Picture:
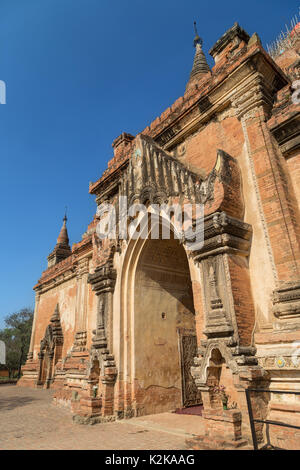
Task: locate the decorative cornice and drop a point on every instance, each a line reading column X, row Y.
column 108, row 179
column 82, row 266
column 65, row 269
column 103, row 279
column 257, row 93
column 234, row 32
column 224, row 234
column 124, row 138
column 287, row 134
column 286, row 301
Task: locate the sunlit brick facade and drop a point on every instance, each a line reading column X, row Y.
column 130, row 327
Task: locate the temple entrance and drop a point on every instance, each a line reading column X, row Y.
column 164, row 329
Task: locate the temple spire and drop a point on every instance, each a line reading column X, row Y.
column 62, row 248
column 200, row 65
column 197, row 38
column 63, row 238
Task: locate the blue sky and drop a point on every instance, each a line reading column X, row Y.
column 78, row 73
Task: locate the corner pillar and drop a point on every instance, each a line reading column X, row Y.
column 276, row 203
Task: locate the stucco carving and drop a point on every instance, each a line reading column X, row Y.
column 53, row 334
column 218, row 323
column 154, row 175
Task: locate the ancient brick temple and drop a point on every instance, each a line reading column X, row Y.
column 129, row 327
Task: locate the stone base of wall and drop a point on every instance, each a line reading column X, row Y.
column 62, row 397
column 30, row 374
column 205, row 443
column 283, row 437
column 222, row 431
column 24, row 382
column 93, row 419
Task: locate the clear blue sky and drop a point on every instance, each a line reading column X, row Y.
column 78, row 73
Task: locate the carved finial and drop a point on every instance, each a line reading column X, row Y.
column 55, row 315
column 200, row 65
column 65, row 216
column 197, row 39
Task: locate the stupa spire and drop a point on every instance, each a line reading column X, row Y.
column 62, row 248
column 197, row 38
column 63, row 238
column 200, row 65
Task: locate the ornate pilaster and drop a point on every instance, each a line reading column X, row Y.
column 218, row 323
column 82, row 271
column 40, row 358
column 224, row 237
column 103, row 283
column 56, row 328
column 49, row 377
column 229, row 315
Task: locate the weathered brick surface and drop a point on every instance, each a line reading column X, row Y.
column 241, row 291
column 243, row 107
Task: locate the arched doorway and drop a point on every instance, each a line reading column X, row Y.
column 164, row 329
column 46, row 355
column 50, row 350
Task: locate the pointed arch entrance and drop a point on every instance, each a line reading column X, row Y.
column 50, row 350
column 161, row 318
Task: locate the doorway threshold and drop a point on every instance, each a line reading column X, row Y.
column 171, row 423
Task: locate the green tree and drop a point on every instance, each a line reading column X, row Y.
column 16, row 335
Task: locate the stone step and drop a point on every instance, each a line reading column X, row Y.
column 205, row 443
